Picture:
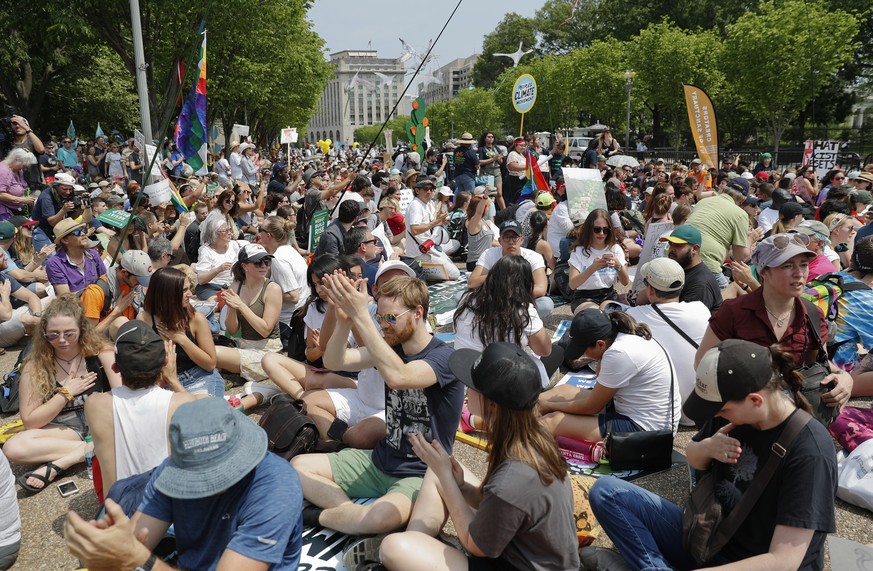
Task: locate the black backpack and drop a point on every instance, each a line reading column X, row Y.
column 289, row 431
column 11, row 382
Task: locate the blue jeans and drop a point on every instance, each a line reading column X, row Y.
column 545, row 306
column 464, row 182
column 199, row 381
column 645, row 528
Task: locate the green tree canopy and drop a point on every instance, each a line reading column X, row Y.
column 504, row 39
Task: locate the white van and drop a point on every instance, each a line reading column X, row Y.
column 575, row 147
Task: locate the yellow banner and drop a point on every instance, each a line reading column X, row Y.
column 701, row 115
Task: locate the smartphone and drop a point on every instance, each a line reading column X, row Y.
column 68, row 488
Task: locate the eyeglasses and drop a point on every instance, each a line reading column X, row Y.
column 373, row 241
column 225, row 231
column 67, row 142
column 67, row 335
column 782, row 241
column 839, row 178
column 600, row 229
column 390, row 318
column 510, row 238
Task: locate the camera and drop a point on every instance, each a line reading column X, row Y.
column 81, row 201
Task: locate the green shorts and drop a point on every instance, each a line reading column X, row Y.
column 354, row 472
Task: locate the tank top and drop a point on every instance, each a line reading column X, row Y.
column 140, row 421
column 183, row 361
column 247, row 331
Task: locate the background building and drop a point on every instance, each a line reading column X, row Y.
column 350, row 102
column 453, row 77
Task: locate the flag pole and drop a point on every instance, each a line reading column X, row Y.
column 142, row 88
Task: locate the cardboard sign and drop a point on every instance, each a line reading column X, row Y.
column 317, row 226
column 822, row 155
column 406, row 198
column 288, row 136
column 652, row 248
column 159, row 192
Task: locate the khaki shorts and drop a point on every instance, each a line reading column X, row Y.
column 353, row 471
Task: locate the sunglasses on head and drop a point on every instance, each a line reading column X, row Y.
column 391, row 318
column 782, row 241
column 67, row 335
column 600, row 229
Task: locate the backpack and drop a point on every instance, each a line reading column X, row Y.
column 11, row 381
column 632, row 220
column 107, row 296
column 825, row 292
column 289, row 431
column 456, row 226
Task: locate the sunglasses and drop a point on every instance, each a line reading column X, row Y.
column 390, row 318
column 228, row 201
column 67, row 335
column 782, row 241
column 79, row 232
column 262, row 263
column 600, row 229
column 373, row 241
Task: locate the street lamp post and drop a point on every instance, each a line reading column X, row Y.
column 628, row 85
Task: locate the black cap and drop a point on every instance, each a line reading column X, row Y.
column 790, row 210
column 510, row 226
column 588, row 327
column 503, row 372
column 139, row 351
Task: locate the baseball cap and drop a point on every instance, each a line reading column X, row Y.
column 212, row 447
column 747, row 175
column 696, row 162
column 510, row 226
column 777, row 249
column 790, row 210
column 253, row 253
column 7, row 230
column 739, row 184
column 444, row 190
column 588, row 326
column 813, row 227
column 545, row 200
column 139, row 265
column 862, row 196
column 63, row 178
column 393, row 265
column 18, row 221
column 766, row 156
column 763, row 175
column 684, row 234
column 750, row 201
column 663, row 274
column 729, row 371
column 503, row 372
column 852, row 175
column 139, row 351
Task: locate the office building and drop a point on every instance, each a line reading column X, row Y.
column 453, row 77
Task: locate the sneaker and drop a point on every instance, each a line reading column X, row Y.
column 465, row 425
column 362, row 550
column 311, row 513
column 265, row 390
column 602, row 559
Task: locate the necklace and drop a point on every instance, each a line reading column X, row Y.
column 68, row 372
column 68, row 361
column 780, row 321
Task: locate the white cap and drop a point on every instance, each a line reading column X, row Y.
column 394, row 265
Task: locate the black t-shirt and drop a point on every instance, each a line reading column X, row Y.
column 800, row 494
column 276, row 186
column 433, row 411
column 700, row 285
column 466, row 161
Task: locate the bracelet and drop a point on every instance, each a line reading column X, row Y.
column 65, row 392
column 28, row 132
column 744, row 287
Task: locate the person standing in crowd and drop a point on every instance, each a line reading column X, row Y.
column 516, row 167
column 67, row 156
column 490, row 161
column 135, row 165
column 67, row 362
column 466, row 164
column 52, row 207
column 526, row 487
column 25, row 138
column 232, row 504
column 723, row 226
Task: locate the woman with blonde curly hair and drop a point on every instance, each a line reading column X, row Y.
column 68, row 361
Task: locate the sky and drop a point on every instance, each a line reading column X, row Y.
column 350, row 24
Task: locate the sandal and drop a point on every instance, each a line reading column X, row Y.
column 45, row 479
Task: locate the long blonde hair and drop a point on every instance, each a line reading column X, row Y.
column 41, row 359
column 23, row 247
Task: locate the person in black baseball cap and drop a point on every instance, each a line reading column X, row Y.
column 746, row 396
column 526, row 487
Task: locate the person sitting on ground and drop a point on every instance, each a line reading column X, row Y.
column 253, row 306
column 331, row 241
column 108, row 302
column 634, row 373
column 745, row 395
column 510, row 245
column 16, row 321
column 75, row 266
column 14, row 237
column 854, row 323
column 597, row 262
column 168, row 311
column 422, row 395
column 129, row 424
column 819, row 239
column 480, row 235
column 218, row 464
column 521, row 516
column 67, row 362
column 502, row 309
column 360, row 242
column 674, row 323
column 700, row 285
column 216, row 257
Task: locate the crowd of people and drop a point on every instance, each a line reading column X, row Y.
column 139, row 332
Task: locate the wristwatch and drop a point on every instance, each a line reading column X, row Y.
column 147, row 566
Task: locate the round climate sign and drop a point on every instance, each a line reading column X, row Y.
column 524, row 93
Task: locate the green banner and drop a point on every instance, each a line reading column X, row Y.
column 317, row 226
column 114, row 217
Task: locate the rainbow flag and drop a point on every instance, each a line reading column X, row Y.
column 190, row 133
column 176, row 198
column 536, row 182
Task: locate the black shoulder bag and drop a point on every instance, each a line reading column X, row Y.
column 816, row 372
column 705, row 530
column 675, row 327
column 645, row 449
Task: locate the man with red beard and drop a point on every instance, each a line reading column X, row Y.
column 422, row 396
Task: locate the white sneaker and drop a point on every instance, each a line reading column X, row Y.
column 265, row 390
column 602, row 559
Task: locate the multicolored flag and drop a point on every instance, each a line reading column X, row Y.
column 190, row 133
column 536, row 182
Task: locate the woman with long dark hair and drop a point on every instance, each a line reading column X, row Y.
column 634, row 373
column 745, row 397
column 834, row 177
column 536, row 241
column 490, row 160
column 167, row 309
column 597, row 261
column 520, row 516
column 226, row 209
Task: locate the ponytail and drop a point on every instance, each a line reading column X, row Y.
column 785, row 377
column 624, row 323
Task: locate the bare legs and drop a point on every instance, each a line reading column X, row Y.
column 60, row 446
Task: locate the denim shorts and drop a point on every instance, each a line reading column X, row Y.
column 199, row 381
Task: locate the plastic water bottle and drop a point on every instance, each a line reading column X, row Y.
column 89, row 456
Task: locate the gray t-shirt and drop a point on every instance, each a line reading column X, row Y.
column 479, row 242
column 525, row 523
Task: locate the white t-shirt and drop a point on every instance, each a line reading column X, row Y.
column 467, row 336
column 604, row 277
column 491, row 255
column 692, row 318
column 418, row 213
column 639, row 369
column 208, row 259
column 559, row 226
column 767, row 218
column 314, row 318
column 10, row 519
column 235, row 168
column 289, row 271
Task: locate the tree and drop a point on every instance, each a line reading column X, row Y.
column 764, row 52
column 474, row 111
column 504, row 39
column 563, row 27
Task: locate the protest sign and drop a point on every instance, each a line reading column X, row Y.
column 584, row 191
column 114, row 217
column 524, row 95
column 159, row 192
column 822, row 155
column 317, row 226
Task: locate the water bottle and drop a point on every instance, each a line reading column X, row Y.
column 89, row 456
